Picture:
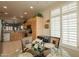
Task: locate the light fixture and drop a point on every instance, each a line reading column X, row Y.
column 2, row 12
column 31, row 7
column 22, row 27
column 5, row 7
column 21, row 16
column 14, row 17
column 25, row 13
column 5, row 13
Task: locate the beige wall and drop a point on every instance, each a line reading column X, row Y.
column 46, row 16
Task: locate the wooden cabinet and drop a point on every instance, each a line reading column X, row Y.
column 16, row 36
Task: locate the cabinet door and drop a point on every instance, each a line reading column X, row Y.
column 16, row 36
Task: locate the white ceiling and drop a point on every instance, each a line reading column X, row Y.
column 17, row 8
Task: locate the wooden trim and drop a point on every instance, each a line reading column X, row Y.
column 57, row 44
column 55, row 37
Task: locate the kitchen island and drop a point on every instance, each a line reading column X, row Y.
column 13, row 36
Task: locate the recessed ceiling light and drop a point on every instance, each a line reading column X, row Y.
column 25, row 13
column 21, row 16
column 5, row 13
column 14, row 17
column 5, row 7
column 31, row 7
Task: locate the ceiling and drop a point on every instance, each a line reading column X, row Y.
column 17, row 8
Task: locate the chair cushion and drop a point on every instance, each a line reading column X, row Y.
column 49, row 45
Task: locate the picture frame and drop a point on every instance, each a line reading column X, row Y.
column 46, row 26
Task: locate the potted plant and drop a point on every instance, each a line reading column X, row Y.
column 38, row 14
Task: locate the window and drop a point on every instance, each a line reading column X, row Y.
column 68, row 15
column 69, row 24
column 55, row 23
